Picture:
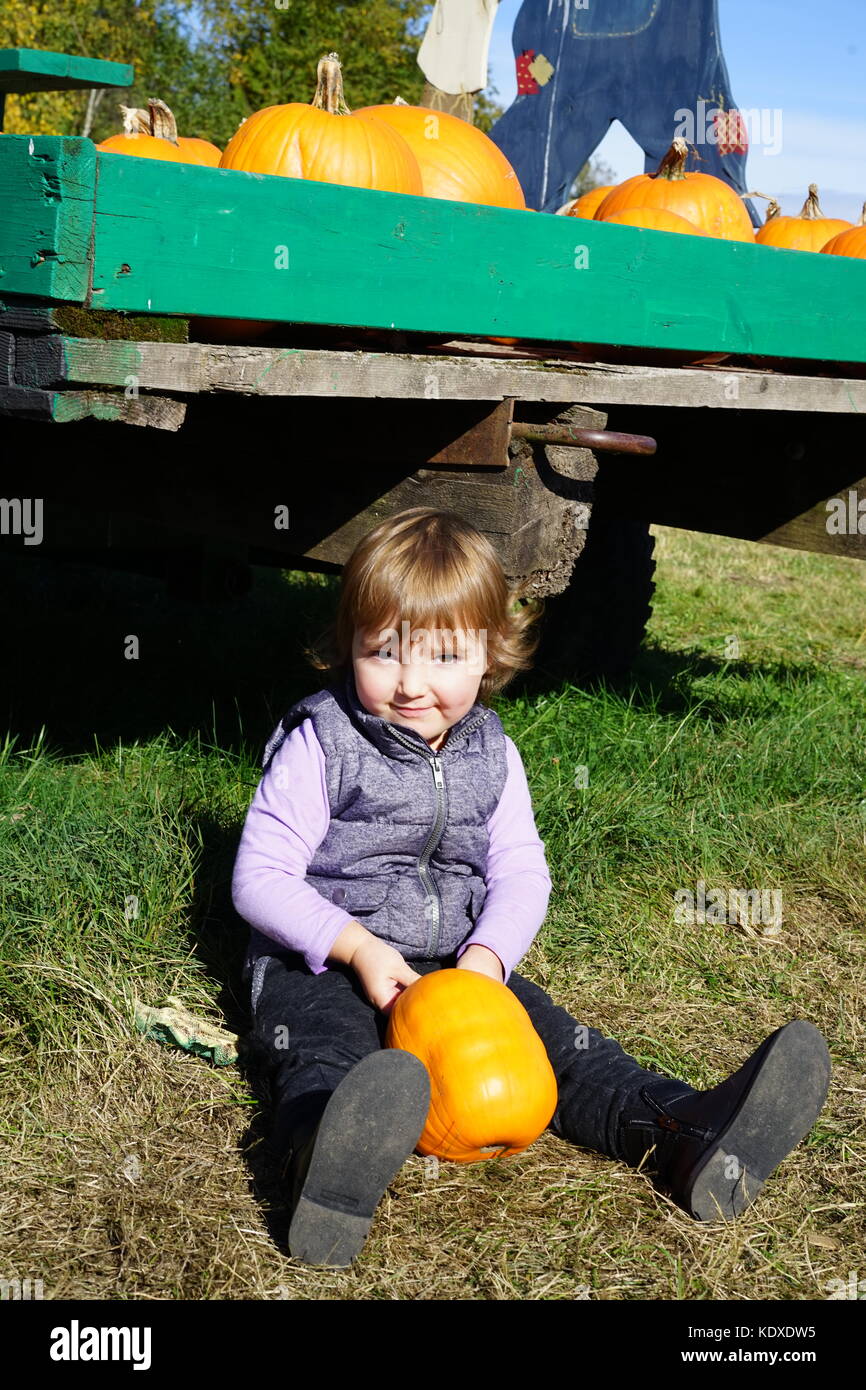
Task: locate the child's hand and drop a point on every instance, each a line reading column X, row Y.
column 382, row 971
column 485, row 961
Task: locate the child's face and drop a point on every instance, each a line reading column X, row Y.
column 436, row 671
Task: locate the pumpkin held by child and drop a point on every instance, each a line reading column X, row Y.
column 492, row 1088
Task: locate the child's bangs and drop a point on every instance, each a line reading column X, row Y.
column 439, row 608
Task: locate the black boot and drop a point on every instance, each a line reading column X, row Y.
column 338, row 1169
column 715, row 1149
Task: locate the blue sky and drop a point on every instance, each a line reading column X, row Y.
column 804, row 59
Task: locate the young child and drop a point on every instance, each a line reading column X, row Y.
column 392, row 834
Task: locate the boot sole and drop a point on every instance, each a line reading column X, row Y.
column 783, row 1099
column 368, row 1129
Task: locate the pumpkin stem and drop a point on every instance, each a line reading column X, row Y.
column 162, row 122
column 862, row 222
column 398, row 101
column 329, row 87
column 673, row 166
column 811, row 209
column 157, row 120
column 135, row 120
column 774, row 208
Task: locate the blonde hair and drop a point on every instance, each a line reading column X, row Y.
column 432, row 569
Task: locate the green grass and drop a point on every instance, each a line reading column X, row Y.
column 122, row 792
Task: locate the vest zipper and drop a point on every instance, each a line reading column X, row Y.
column 436, row 833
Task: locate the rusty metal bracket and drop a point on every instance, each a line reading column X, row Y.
column 601, row 441
column 482, row 440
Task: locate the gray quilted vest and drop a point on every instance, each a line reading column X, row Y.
column 406, row 850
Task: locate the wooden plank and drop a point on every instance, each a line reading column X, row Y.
column 47, row 196
column 154, row 412
column 723, row 387
column 7, row 358
column 202, row 367
column 835, row 526
column 174, row 238
column 62, row 407
column 20, row 403
column 38, row 70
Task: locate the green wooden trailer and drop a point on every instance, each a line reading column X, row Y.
column 650, row 377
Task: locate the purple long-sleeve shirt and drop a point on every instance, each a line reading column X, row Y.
column 289, row 817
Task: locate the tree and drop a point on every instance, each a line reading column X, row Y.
column 122, row 31
column 216, row 61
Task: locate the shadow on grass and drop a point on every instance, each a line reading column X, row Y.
column 675, row 682
column 218, row 940
column 225, row 671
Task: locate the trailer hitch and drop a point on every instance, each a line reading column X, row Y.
column 602, row 441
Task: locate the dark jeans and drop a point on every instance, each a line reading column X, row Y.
column 310, row 1030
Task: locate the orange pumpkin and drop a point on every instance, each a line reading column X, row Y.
column 324, row 142
column 457, row 160
column 492, row 1088
column 199, row 151
column 850, row 243
column 710, row 203
column 144, row 146
column 620, row 188
column 810, row 231
column 588, row 203
column 656, row 220
column 152, row 134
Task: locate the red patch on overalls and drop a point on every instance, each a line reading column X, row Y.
column 526, row 83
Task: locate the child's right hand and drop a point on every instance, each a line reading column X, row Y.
column 383, row 972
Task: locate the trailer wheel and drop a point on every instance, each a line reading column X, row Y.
column 595, row 628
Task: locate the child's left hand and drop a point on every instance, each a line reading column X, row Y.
column 482, row 960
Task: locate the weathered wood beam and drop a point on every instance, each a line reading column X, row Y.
column 835, row 526
column 62, row 407
column 58, row 360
